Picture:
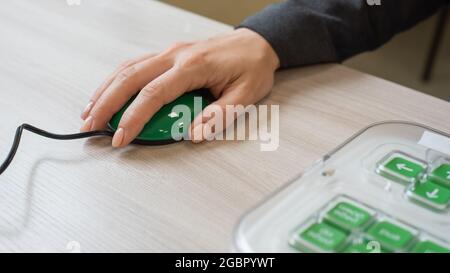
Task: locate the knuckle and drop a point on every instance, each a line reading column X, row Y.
column 125, row 65
column 154, row 92
column 127, row 75
column 149, row 90
column 99, row 110
column 193, row 59
column 177, row 46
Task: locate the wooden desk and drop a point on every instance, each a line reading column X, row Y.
column 182, row 197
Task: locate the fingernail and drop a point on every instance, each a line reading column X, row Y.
column 197, row 134
column 118, row 138
column 87, row 110
column 87, row 126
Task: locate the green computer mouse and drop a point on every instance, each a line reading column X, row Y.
column 158, row 131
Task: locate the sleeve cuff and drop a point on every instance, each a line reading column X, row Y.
column 296, row 33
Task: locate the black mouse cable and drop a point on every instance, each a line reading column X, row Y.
column 43, row 133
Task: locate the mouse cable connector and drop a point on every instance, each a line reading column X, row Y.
column 43, row 133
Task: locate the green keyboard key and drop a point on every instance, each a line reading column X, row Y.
column 429, row 247
column 320, row 237
column 391, row 236
column 401, row 168
column 349, row 216
column 441, row 175
column 430, row 194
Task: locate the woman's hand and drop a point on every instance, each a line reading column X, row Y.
column 238, row 68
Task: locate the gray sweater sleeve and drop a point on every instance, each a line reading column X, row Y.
column 306, row 32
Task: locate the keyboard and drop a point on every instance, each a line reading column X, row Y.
column 386, row 189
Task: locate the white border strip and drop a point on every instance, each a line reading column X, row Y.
column 436, row 142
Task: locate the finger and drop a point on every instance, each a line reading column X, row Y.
column 208, row 125
column 127, row 83
column 150, row 99
column 109, row 80
column 213, row 119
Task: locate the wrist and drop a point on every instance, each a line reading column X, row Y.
column 262, row 45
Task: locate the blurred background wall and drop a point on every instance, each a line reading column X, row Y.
column 402, row 60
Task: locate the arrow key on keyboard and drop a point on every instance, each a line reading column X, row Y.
column 430, row 194
column 400, row 167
